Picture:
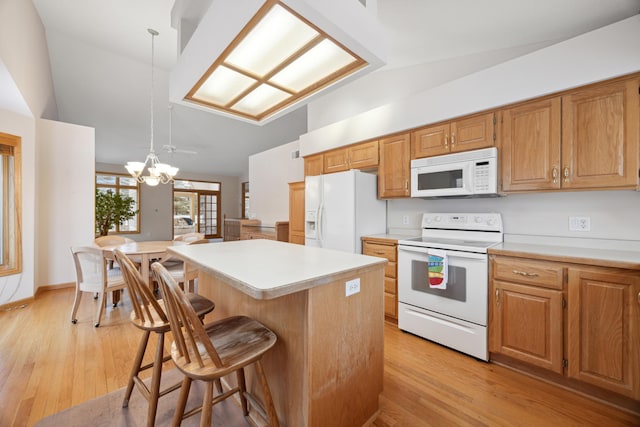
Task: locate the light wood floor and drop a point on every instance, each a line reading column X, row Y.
column 48, row 364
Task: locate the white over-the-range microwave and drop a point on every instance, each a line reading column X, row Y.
column 470, row 173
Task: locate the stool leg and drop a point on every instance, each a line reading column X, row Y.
column 207, row 405
column 268, row 402
column 243, row 389
column 154, row 391
column 182, row 401
column 137, row 362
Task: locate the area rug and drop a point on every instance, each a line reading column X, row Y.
column 107, row 410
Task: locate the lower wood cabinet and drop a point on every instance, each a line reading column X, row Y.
column 581, row 322
column 386, row 248
column 603, row 330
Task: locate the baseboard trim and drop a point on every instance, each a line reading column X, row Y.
column 46, row 288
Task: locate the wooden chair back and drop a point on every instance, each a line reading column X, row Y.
column 147, row 311
column 102, row 241
column 189, row 237
column 192, row 336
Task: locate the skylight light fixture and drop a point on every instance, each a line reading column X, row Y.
column 270, row 58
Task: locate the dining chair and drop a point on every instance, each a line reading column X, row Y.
column 189, row 237
column 149, row 315
column 182, row 272
column 209, row 352
column 93, row 276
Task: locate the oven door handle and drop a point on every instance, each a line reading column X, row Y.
column 450, row 253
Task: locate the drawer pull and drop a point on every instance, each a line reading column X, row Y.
column 525, row 274
column 378, row 252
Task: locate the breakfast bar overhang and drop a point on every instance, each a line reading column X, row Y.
column 325, row 306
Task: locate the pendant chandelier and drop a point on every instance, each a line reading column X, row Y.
column 159, row 173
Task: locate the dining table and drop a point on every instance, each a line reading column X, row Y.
column 143, row 252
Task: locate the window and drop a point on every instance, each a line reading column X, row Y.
column 196, row 208
column 125, row 185
column 245, row 200
column 11, row 203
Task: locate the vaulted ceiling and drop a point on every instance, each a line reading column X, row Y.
column 100, row 55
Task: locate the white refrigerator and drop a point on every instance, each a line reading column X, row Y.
column 342, row 207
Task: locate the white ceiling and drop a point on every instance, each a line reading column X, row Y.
column 100, row 55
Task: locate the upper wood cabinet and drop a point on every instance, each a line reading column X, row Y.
column 394, row 171
column 460, row 135
column 584, row 139
column 296, row 212
column 600, row 136
column 530, row 146
column 313, row 165
column 358, row 156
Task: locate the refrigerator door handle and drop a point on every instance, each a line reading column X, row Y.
column 319, row 224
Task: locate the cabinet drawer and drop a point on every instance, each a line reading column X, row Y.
column 383, row 251
column 390, row 285
column 390, row 270
column 390, row 305
column 538, row 273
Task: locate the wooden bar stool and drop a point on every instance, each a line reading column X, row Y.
column 148, row 314
column 209, row 352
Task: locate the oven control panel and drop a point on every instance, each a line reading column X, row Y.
column 463, row 221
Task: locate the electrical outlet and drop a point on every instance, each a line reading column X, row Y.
column 579, row 223
column 352, row 287
column 405, row 219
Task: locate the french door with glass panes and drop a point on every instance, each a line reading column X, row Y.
column 209, row 212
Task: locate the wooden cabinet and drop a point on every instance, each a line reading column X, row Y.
column 386, row 248
column 530, row 146
column 600, row 136
column 313, row 165
column 526, row 312
column 603, row 329
column 394, row 170
column 584, row 139
column 233, row 227
column 460, row 135
column 358, row 156
column 296, row 212
column 581, row 322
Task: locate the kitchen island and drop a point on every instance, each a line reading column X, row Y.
column 325, row 306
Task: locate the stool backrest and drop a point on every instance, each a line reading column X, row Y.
column 187, row 329
column 146, row 308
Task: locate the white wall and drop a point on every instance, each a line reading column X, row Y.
column 270, row 173
column 598, row 55
column 25, row 59
column 21, row 286
column 65, row 176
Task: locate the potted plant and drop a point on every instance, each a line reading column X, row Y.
column 111, row 209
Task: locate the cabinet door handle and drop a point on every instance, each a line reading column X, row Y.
column 566, row 174
column 524, row 273
column 446, row 140
column 406, row 185
column 638, row 297
column 554, row 175
column 453, row 138
column 497, row 296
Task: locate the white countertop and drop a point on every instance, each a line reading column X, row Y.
column 583, row 255
column 266, row 269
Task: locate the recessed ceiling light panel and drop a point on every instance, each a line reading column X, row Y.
column 276, row 58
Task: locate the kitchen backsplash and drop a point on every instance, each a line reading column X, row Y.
column 612, row 215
